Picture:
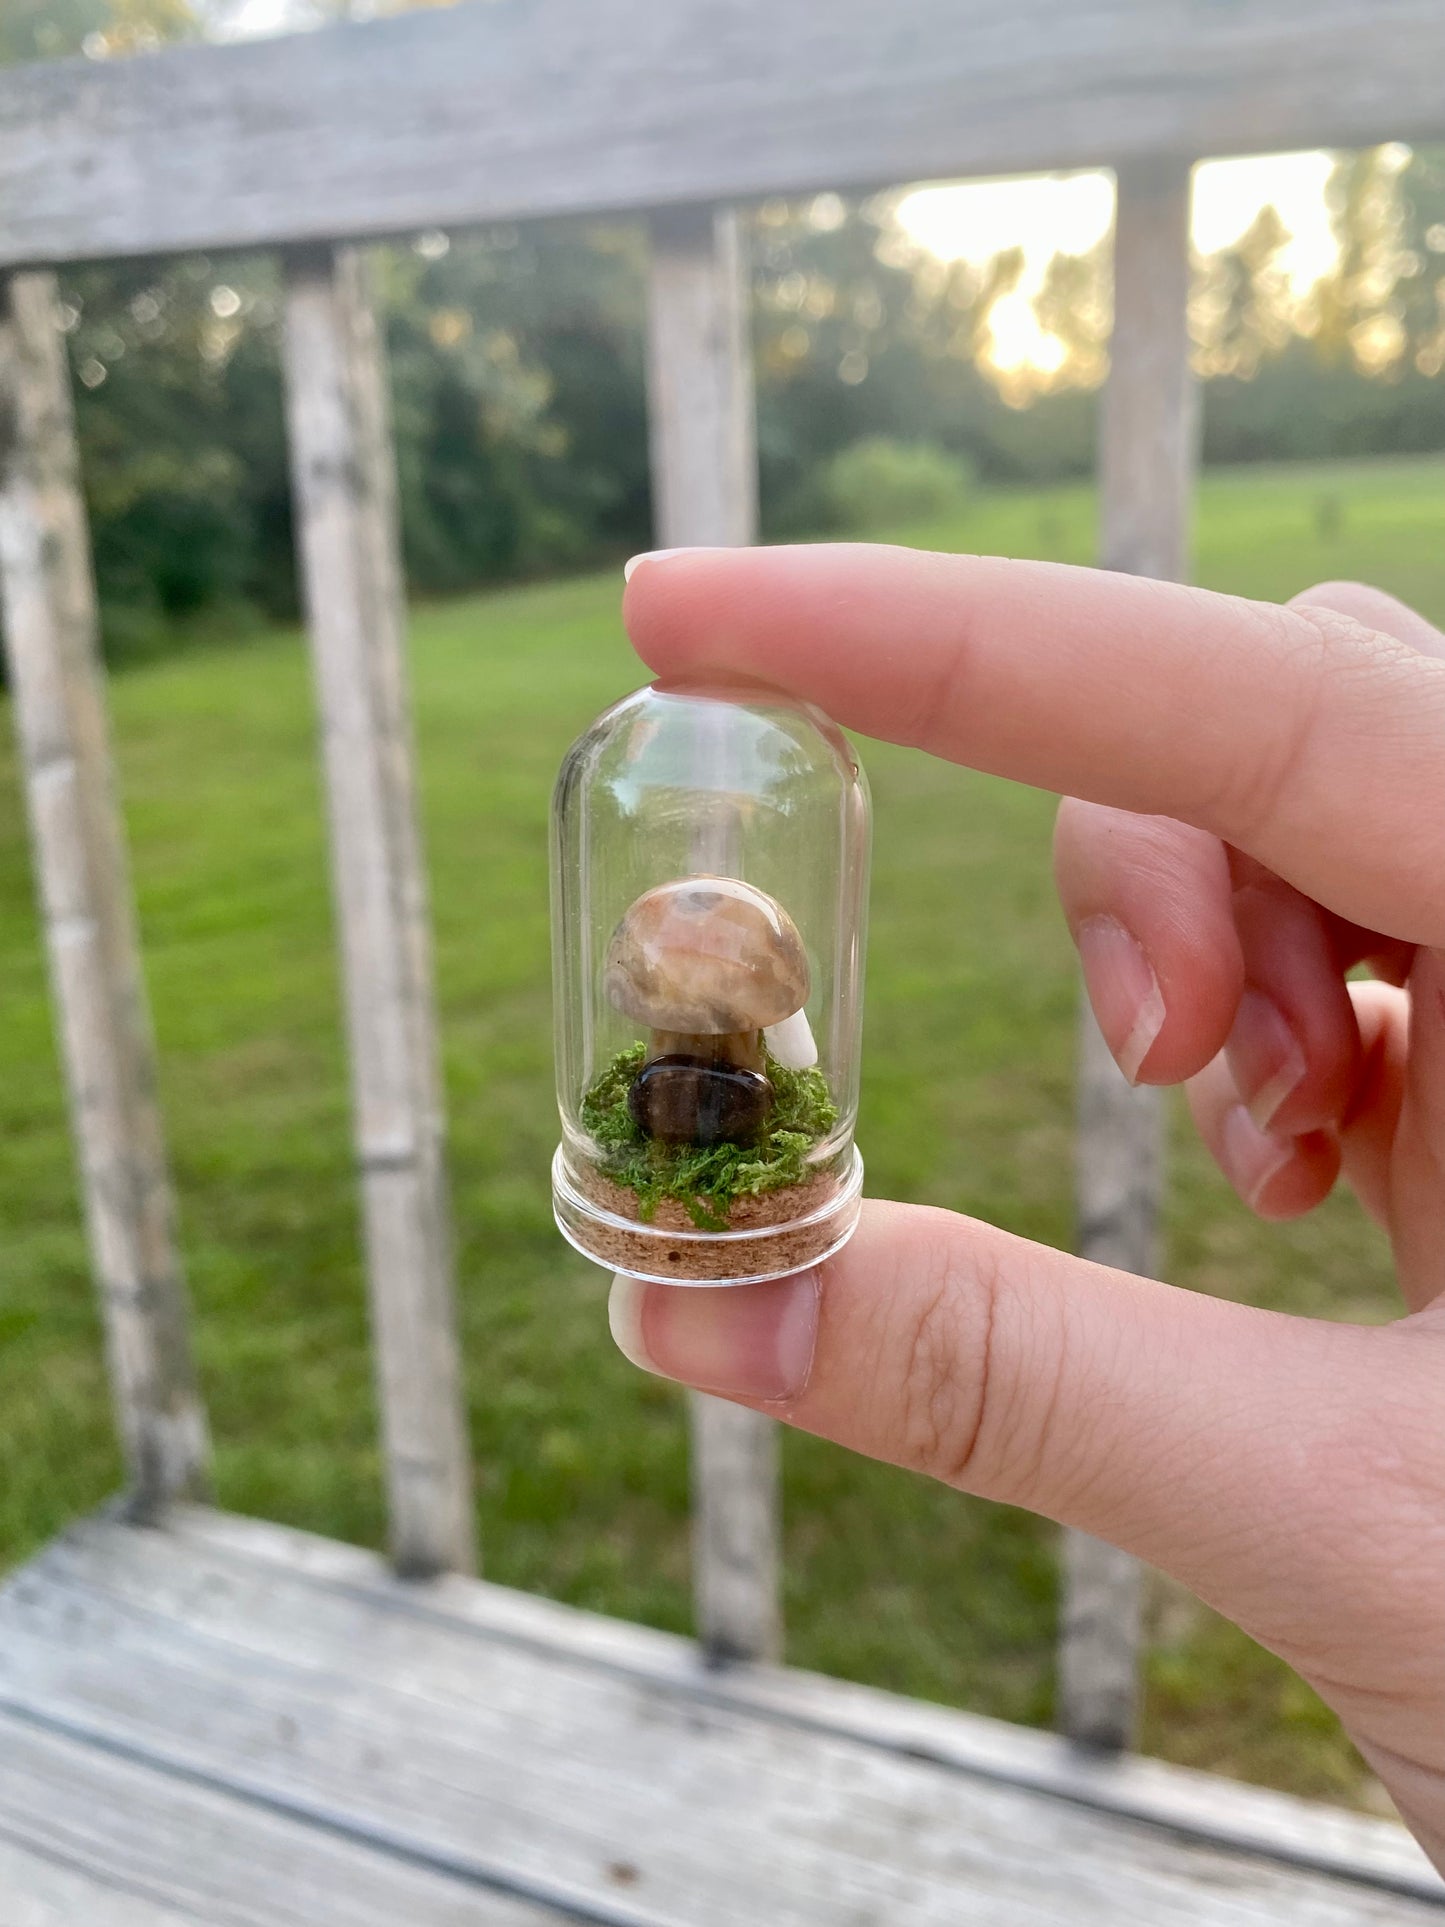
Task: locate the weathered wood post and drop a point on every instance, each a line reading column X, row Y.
column 704, row 483
column 52, row 640
column 345, row 485
column 1146, row 465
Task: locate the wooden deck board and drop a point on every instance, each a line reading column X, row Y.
column 89, row 1838
column 516, row 1753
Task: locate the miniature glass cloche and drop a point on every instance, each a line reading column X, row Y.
column 709, row 900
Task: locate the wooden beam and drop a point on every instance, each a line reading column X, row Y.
column 737, row 1566
column 1146, row 463
column 1148, row 413
column 528, row 108
column 53, row 651
column 704, row 491
column 345, row 486
column 701, row 412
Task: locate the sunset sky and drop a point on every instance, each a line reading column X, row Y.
column 1049, row 214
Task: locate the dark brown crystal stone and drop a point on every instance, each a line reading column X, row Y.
column 685, row 1100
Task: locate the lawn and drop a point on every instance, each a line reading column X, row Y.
column 581, row 1476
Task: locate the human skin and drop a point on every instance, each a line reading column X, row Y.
column 1254, row 803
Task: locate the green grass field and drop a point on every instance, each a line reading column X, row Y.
column 580, row 1460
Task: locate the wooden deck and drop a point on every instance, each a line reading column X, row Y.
column 225, row 1721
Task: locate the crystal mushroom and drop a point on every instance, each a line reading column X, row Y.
column 712, row 967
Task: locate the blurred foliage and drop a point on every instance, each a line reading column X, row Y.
column 45, row 29
column 179, row 413
column 878, row 481
column 517, row 378
column 49, row 29
column 517, row 369
column 862, row 334
column 1240, row 303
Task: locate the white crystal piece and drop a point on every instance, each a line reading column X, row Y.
column 792, row 1043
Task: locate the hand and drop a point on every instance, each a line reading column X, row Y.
column 1256, row 802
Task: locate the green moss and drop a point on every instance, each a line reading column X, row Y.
column 707, row 1181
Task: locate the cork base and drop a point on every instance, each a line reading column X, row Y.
column 767, row 1237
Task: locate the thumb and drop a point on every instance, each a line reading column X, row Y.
column 1207, row 1437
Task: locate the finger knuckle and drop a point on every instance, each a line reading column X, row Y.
column 1018, row 1438
column 945, row 1367
column 1303, row 644
column 1331, row 672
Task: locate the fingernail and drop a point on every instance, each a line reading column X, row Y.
column 649, row 555
column 744, row 1341
column 1265, row 1056
column 1123, row 990
column 1251, row 1159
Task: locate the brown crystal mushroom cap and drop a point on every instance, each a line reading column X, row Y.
column 709, row 955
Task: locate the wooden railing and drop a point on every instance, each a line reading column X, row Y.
column 523, row 109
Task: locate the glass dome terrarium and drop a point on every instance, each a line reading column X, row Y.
column 709, row 901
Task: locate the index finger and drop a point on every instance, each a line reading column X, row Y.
column 1302, row 736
